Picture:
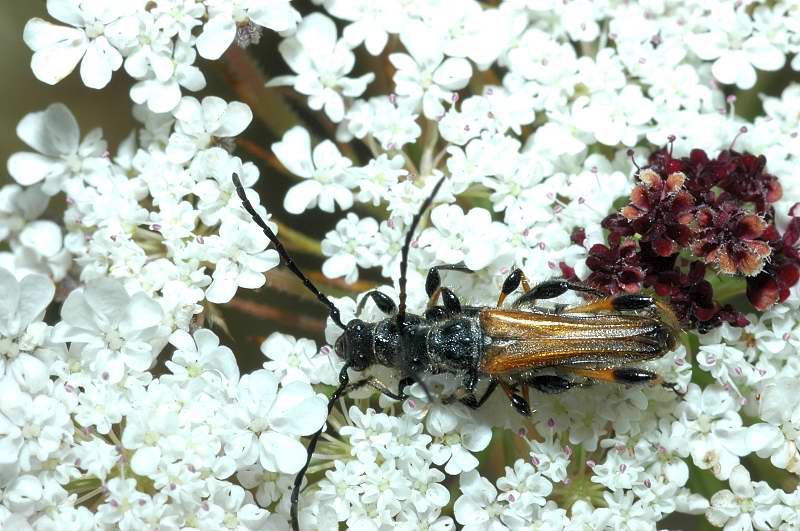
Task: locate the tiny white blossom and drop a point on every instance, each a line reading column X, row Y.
column 747, row 505
column 321, row 63
column 324, row 169
column 99, row 32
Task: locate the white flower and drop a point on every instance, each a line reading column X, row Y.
column 275, row 419
column 118, row 330
column 241, row 259
column 61, row 155
column 425, row 77
column 201, row 355
column 225, row 15
column 200, row 123
column 122, row 497
column 321, row 64
column 32, row 428
column 163, row 94
column 21, row 332
column 100, row 31
column 327, row 183
column 18, row 206
column 349, row 247
column 372, row 21
column 427, row 491
column 524, row 489
column 472, row 238
column 716, row 435
column 478, row 508
column 298, row 360
column 370, row 433
column 376, row 179
column 747, row 505
column 385, row 486
column 613, row 117
column 778, row 438
column 454, row 440
column 735, row 47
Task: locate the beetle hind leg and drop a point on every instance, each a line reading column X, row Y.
column 624, row 376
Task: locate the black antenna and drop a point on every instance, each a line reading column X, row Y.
column 401, row 308
column 333, row 311
column 344, row 379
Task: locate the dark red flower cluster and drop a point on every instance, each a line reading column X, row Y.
column 686, row 214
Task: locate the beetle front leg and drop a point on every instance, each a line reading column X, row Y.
column 378, row 385
column 511, row 283
column 382, row 301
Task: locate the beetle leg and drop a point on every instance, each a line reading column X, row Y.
column 433, row 281
column 624, row 376
column 468, row 398
column 620, row 302
column 519, row 402
column 382, row 301
column 511, row 283
column 551, row 289
column 551, row 384
column 382, row 387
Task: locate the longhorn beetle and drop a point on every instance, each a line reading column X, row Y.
column 551, row 350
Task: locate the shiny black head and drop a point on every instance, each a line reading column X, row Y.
column 355, row 345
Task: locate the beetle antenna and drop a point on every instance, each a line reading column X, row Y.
column 401, row 308
column 344, row 380
column 333, row 311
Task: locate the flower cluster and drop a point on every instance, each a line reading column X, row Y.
column 156, row 42
column 121, row 408
column 693, row 211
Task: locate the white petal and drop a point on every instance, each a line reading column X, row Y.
column 141, row 312
column 39, row 34
column 453, row 74
column 235, row 119
column 9, row 287
column 339, row 265
column 181, row 340
column 107, row 298
column 326, row 155
column 36, row 293
column 42, row 236
column 740, row 482
column 317, row 33
column 221, row 290
column 294, row 151
column 53, row 131
column 30, row 372
column 97, row 64
column 217, row 36
column 281, row 453
column 180, row 148
column 763, row 55
column 145, row 460
column 301, row 196
column 29, row 168
column 67, row 11
column 277, row 16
